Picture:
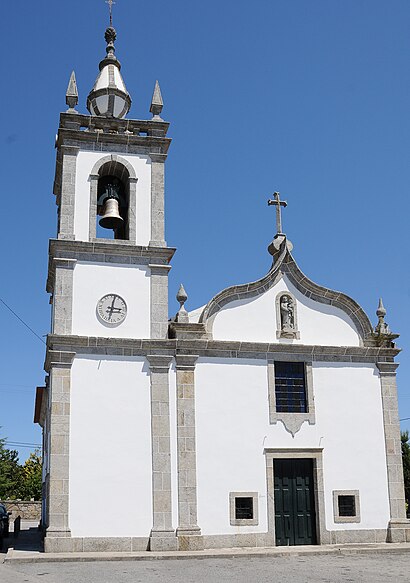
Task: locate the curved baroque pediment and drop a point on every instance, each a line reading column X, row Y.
column 285, row 265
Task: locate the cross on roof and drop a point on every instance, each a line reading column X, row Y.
column 110, row 3
column 278, row 203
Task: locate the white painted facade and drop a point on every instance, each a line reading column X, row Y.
column 91, row 281
column 233, row 430
column 110, row 448
column 255, row 320
column 141, row 214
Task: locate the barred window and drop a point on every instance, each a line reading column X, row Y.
column 347, row 506
column 290, row 387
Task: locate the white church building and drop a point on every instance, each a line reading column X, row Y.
column 248, row 422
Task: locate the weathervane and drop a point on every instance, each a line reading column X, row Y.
column 278, row 203
column 110, row 3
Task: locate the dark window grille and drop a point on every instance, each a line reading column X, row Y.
column 290, row 387
column 347, row 505
column 244, row 508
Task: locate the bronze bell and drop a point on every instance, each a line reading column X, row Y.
column 110, row 215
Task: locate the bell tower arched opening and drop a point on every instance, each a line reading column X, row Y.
column 113, row 202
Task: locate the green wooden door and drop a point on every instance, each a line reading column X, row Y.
column 294, row 502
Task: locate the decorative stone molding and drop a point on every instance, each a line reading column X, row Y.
column 346, row 519
column 286, row 330
column 62, row 289
column 291, row 421
column 67, row 162
column 57, row 512
column 162, row 535
column 243, row 521
column 105, row 251
column 399, row 527
column 285, row 264
column 157, row 200
column 188, row 531
column 222, row 349
column 316, row 454
column 159, row 299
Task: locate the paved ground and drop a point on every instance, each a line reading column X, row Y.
column 328, row 564
column 366, row 568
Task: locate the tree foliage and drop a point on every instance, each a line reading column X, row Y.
column 32, row 477
column 405, row 451
column 19, row 481
column 10, row 472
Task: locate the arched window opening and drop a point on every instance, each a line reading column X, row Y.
column 113, row 202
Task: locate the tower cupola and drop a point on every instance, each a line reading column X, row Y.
column 109, row 96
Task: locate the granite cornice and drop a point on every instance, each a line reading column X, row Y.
column 99, row 133
column 221, row 349
column 80, row 250
column 70, row 120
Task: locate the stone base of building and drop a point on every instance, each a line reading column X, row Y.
column 183, row 540
column 356, row 536
column 398, row 531
column 163, row 540
column 225, row 541
column 190, row 539
column 95, row 544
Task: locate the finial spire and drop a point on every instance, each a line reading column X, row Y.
column 71, row 96
column 109, row 96
column 182, row 315
column 156, row 103
column 278, row 203
column 382, row 326
column 110, row 3
column 382, row 333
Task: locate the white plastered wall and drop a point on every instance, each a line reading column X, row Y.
column 232, row 428
column 91, row 281
column 254, row 320
column 110, row 448
column 142, row 212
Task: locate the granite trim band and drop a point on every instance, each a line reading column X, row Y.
column 62, row 295
column 159, row 300
column 223, row 349
column 66, row 189
column 157, row 200
column 188, row 531
column 398, row 523
column 57, row 512
column 162, row 537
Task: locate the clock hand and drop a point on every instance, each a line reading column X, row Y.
column 111, row 309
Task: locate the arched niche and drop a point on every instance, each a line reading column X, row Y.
column 114, row 167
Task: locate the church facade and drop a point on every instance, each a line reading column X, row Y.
column 267, row 417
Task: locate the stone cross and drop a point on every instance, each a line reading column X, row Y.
column 110, row 3
column 278, row 203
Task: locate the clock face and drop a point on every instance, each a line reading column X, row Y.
column 112, row 309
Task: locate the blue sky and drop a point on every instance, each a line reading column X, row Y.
column 308, row 97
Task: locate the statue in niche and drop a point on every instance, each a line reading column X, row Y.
column 287, row 314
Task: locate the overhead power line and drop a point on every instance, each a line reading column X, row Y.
column 20, row 444
column 22, row 321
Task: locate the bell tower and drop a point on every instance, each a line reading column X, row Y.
column 108, row 282
column 109, row 188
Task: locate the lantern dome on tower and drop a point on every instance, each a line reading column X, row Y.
column 109, row 96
